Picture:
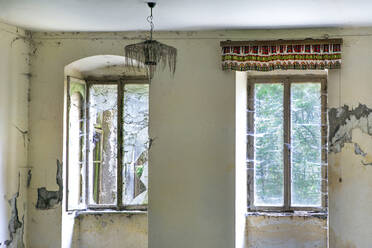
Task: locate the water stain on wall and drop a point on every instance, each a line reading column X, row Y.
column 337, row 242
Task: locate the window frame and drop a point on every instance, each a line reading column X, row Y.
column 119, row 206
column 286, row 81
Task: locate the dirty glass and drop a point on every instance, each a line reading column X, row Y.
column 136, row 143
column 306, row 144
column 268, row 148
column 76, row 144
column 103, row 144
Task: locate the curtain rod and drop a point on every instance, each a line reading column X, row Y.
column 281, row 42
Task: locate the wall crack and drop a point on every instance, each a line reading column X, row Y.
column 24, row 134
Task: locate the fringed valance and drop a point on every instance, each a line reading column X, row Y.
column 280, row 54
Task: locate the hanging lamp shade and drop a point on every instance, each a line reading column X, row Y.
column 151, row 52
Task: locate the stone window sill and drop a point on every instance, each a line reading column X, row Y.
column 78, row 213
column 320, row 215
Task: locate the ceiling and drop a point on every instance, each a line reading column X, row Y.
column 129, row 15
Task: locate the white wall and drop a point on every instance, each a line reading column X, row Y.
column 192, row 118
column 191, row 169
column 14, row 85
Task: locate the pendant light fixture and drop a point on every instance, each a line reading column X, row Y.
column 151, row 52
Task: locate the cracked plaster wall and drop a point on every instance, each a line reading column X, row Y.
column 192, row 189
column 14, row 87
column 350, row 188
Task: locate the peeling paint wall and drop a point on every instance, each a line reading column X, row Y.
column 350, row 188
column 49, row 199
column 343, row 120
column 191, row 173
column 350, row 193
column 14, row 139
column 16, row 227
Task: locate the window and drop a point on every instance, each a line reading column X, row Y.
column 107, row 144
column 287, row 143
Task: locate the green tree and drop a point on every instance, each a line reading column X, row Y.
column 305, row 144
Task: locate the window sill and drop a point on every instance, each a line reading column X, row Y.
column 309, row 214
column 78, row 213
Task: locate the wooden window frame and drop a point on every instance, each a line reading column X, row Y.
column 120, row 139
column 286, row 81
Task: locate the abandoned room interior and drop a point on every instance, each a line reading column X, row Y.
column 185, row 124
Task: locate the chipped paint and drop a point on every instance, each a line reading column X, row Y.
column 358, row 150
column 29, row 177
column 343, row 120
column 15, row 227
column 49, row 199
column 366, row 163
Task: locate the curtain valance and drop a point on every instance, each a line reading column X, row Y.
column 281, row 54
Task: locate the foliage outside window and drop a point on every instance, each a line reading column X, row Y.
column 107, row 145
column 287, row 140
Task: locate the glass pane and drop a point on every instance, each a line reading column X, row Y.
column 102, row 144
column 136, row 117
column 76, row 145
column 306, row 144
column 268, row 148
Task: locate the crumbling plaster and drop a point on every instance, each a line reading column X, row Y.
column 343, row 120
column 14, row 88
column 47, row 199
column 350, row 185
column 15, row 227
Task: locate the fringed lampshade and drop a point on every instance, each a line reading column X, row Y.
column 151, row 52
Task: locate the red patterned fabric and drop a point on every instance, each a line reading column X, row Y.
column 290, row 56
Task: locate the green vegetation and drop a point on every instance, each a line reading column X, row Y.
column 269, row 144
column 305, row 144
column 77, row 87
